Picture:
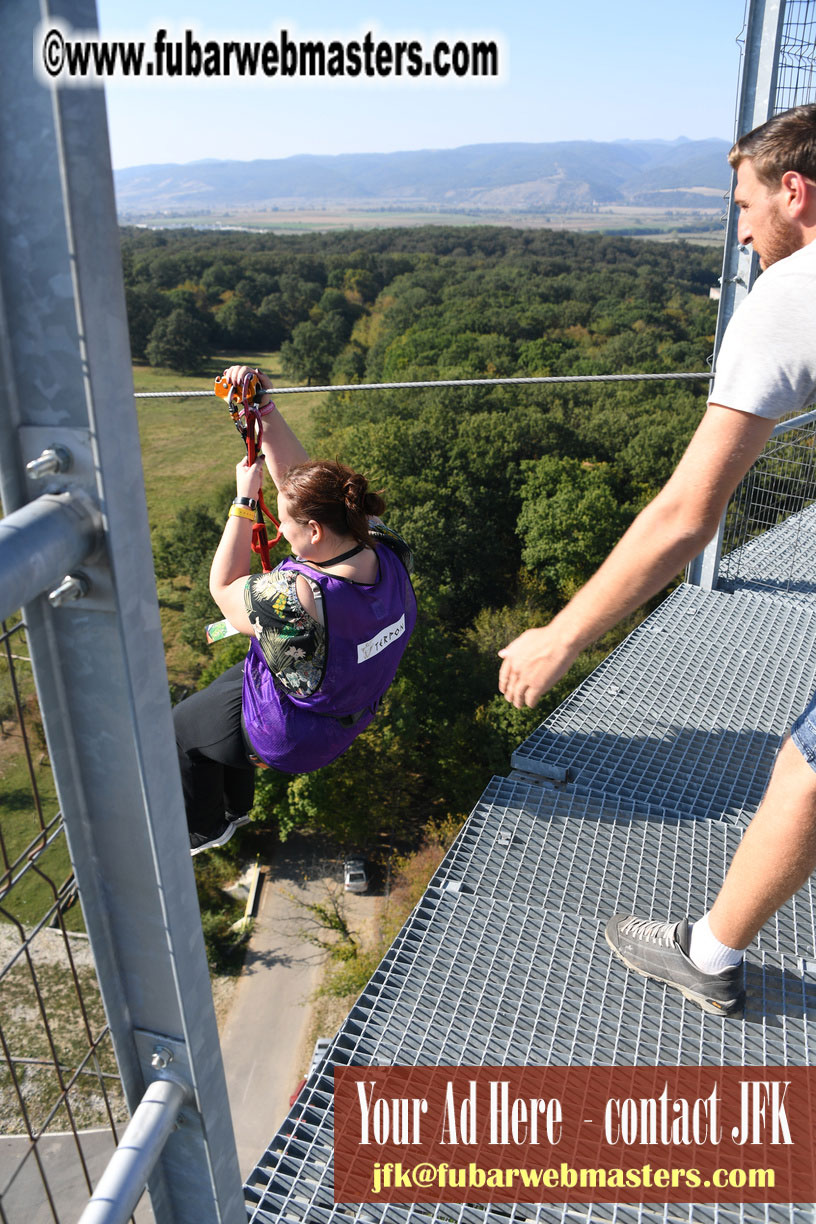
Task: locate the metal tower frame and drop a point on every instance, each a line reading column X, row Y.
column 75, row 554
column 759, row 98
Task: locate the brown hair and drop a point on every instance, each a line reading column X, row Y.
column 786, row 142
column 333, row 495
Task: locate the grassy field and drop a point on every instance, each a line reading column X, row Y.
column 311, row 220
column 29, row 899
column 66, row 1041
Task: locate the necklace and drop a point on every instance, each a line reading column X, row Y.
column 352, row 552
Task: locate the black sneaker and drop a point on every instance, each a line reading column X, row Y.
column 208, row 841
column 659, row 950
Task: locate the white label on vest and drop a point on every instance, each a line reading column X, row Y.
column 367, row 650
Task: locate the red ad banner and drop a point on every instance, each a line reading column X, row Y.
column 575, row 1134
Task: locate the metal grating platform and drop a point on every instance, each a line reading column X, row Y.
column 288, row 1201
column 569, row 801
column 579, row 854
column 479, row 982
column 630, row 796
column 293, row 1206
column 690, row 710
column 780, row 562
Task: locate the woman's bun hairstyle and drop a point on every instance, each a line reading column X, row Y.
column 334, row 496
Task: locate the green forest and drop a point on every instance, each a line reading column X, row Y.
column 509, row 496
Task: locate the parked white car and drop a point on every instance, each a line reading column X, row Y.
column 355, row 876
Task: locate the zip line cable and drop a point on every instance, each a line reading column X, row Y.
column 450, row 382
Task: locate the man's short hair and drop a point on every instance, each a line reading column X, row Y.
column 786, row 142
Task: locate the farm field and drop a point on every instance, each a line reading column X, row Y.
column 694, row 225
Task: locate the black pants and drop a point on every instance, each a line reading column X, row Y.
column 216, row 776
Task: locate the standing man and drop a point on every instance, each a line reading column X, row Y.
column 766, row 369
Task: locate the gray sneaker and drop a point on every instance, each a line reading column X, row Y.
column 659, row 950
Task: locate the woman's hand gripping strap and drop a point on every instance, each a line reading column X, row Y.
column 241, row 401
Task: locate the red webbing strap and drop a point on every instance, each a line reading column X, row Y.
column 241, row 402
column 260, row 537
column 260, row 543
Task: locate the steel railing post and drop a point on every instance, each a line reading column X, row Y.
column 757, row 95
column 96, row 647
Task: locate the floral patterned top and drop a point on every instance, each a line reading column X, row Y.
column 293, row 643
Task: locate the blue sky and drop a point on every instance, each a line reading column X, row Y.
column 572, row 71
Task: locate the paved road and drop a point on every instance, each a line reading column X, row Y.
column 26, row 1203
column 262, row 1040
column 262, row 1044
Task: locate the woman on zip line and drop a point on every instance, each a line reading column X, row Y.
column 328, row 627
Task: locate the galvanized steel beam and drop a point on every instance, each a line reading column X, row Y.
column 757, row 96
column 40, row 542
column 65, row 380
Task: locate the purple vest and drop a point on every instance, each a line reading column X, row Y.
column 367, row 629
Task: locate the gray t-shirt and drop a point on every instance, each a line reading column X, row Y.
column 767, row 360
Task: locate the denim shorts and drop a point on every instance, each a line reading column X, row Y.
column 803, row 733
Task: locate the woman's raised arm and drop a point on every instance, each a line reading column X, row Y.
column 281, row 447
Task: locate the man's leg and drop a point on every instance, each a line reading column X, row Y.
column 775, row 858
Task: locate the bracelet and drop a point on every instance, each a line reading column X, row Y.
column 245, row 501
column 241, row 512
column 268, row 408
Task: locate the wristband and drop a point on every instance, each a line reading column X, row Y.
column 267, row 410
column 241, row 512
column 245, row 501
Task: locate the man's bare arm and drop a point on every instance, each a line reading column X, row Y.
column 664, row 537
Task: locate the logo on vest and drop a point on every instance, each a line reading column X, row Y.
column 367, row 650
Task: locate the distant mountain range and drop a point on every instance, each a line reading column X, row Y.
column 490, row 177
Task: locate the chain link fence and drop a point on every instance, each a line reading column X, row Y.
column 796, row 81
column 780, row 486
column 774, row 496
column 61, row 1101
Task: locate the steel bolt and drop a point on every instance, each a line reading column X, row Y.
column 54, row 459
column 162, row 1057
column 73, row 586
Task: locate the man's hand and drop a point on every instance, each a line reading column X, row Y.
column 533, row 663
column 663, row 538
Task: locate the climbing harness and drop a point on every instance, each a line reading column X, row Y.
column 243, row 404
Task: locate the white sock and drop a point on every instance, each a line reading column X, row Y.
column 707, row 952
